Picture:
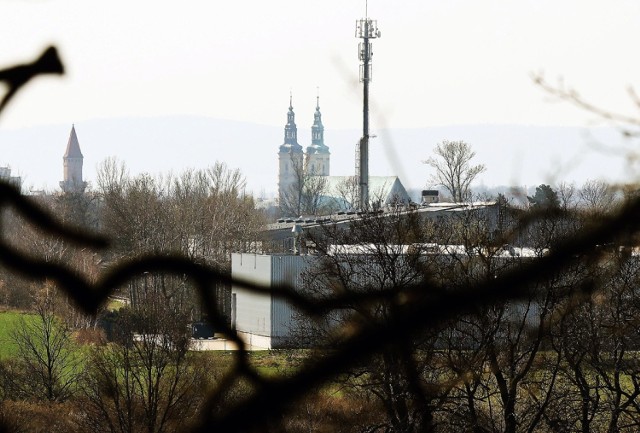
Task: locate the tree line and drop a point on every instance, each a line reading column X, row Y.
column 137, row 374
column 560, row 357
column 534, row 364
column 203, row 215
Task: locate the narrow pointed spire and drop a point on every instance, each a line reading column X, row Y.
column 72, row 166
column 73, row 146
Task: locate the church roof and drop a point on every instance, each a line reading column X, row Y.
column 73, row 147
column 317, row 132
column 318, row 148
column 383, row 190
column 290, row 148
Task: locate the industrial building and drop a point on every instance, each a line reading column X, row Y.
column 262, row 320
column 265, row 321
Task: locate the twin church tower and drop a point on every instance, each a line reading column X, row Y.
column 294, row 164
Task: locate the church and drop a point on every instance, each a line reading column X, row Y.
column 296, row 167
column 72, row 166
column 305, row 185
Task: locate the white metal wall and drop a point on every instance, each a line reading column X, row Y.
column 252, row 310
column 262, row 314
column 285, row 270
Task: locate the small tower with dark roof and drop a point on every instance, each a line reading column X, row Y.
column 291, row 160
column 318, row 155
column 72, row 163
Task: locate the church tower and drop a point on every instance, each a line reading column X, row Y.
column 290, row 158
column 72, row 162
column 318, row 155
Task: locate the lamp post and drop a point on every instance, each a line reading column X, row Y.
column 297, row 231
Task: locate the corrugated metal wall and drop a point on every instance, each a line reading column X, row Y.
column 252, row 310
column 263, row 314
column 286, row 270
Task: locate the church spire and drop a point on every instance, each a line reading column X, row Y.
column 72, row 165
column 318, row 155
column 291, row 130
column 317, row 130
column 291, row 163
column 73, row 147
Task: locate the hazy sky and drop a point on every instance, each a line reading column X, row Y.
column 437, row 62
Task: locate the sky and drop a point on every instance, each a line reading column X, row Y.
column 436, row 64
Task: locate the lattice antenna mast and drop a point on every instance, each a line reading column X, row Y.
column 366, row 29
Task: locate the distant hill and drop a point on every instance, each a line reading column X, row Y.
column 514, row 155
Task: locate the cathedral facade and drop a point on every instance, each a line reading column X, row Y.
column 295, row 165
column 306, row 186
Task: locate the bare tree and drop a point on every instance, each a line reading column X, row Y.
column 200, row 214
column 45, row 352
column 629, row 123
column 372, row 258
column 77, row 211
column 566, row 195
column 291, row 194
column 597, row 196
column 347, row 193
column 144, row 381
column 597, row 340
column 305, row 194
column 313, row 200
column 453, row 168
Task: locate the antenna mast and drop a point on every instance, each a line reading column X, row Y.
column 366, row 29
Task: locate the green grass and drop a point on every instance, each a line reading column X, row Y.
column 115, row 304
column 274, row 363
column 8, row 322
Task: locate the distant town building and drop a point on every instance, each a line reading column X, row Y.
column 313, row 168
column 72, row 163
column 5, row 175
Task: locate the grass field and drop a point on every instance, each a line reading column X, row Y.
column 8, row 322
column 277, row 362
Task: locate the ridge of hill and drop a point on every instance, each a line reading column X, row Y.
column 513, row 154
